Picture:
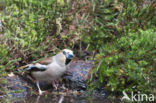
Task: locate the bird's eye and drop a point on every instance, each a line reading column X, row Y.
column 64, row 52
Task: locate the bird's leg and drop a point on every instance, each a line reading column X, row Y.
column 55, row 84
column 40, row 91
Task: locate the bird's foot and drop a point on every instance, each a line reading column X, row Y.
column 63, row 87
column 55, row 85
column 41, row 92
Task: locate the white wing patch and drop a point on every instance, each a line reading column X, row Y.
column 36, row 67
column 40, row 66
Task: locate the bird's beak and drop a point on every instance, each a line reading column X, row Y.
column 69, row 56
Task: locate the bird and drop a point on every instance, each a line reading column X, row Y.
column 49, row 69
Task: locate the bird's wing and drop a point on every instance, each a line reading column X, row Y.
column 36, row 67
column 42, row 63
column 45, row 61
column 33, row 67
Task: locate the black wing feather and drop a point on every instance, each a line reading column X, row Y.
column 34, row 68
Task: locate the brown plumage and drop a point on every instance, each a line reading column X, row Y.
column 45, row 61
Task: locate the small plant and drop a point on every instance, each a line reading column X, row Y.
column 128, row 63
column 124, row 36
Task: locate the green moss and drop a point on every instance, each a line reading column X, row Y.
column 125, row 38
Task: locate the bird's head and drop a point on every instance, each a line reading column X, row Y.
column 68, row 53
column 65, row 56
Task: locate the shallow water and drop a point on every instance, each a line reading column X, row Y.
column 59, row 99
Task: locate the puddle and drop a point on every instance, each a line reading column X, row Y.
column 57, row 99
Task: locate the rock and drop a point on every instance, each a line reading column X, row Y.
column 17, row 87
column 77, row 74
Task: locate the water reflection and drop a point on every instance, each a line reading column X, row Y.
column 60, row 99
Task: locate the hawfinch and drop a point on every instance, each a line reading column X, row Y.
column 50, row 69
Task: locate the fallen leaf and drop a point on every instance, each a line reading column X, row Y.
column 11, row 74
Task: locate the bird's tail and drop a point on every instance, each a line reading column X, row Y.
column 22, row 70
column 23, row 67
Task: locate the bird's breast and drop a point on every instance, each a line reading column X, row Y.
column 56, row 70
column 53, row 72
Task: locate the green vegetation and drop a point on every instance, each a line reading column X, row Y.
column 125, row 38
column 122, row 32
column 128, row 63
